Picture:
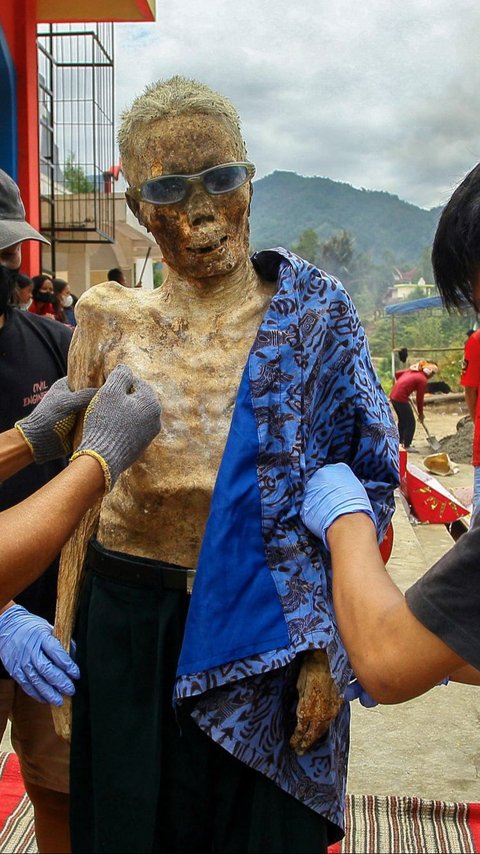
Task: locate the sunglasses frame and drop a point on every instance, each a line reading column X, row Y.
column 197, row 178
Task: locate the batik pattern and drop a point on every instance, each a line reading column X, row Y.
column 317, row 400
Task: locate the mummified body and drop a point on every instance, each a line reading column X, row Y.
column 190, row 339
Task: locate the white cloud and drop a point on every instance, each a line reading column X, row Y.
column 378, row 94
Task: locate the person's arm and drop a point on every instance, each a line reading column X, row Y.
column 120, row 421
column 28, row 544
column 422, row 385
column 15, row 454
column 28, row 650
column 393, row 655
column 468, row 675
column 471, row 398
column 45, row 434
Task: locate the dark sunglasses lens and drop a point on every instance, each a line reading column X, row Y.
column 224, row 179
column 164, row 190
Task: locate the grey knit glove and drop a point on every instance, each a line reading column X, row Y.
column 47, row 429
column 120, row 421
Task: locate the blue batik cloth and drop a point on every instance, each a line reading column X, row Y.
column 309, row 396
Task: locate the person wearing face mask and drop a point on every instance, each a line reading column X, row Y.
column 65, row 302
column 23, row 292
column 44, row 301
column 33, row 357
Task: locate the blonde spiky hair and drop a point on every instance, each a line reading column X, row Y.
column 174, row 97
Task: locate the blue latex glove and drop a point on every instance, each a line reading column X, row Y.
column 34, row 657
column 354, row 691
column 331, row 492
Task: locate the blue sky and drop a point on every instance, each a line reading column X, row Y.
column 380, row 94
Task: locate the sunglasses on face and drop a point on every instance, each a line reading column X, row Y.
column 170, row 189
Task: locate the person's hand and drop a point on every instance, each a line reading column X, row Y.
column 120, row 421
column 331, row 492
column 34, row 657
column 421, row 418
column 47, row 430
column 354, row 691
column 319, row 701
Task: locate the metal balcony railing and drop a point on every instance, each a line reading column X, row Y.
column 77, row 145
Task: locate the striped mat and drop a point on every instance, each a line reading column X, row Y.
column 387, row 824
column 16, row 813
column 374, row 824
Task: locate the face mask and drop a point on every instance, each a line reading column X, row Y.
column 67, row 301
column 45, row 297
column 8, row 280
column 24, row 306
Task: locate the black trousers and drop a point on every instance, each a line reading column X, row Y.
column 144, row 779
column 406, row 422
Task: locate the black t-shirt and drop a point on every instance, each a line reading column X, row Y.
column 33, row 355
column 447, row 598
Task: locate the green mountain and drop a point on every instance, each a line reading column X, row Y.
column 285, row 204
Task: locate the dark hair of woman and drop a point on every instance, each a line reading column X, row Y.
column 456, row 245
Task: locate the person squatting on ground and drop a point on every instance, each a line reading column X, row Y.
column 264, row 375
column 414, row 379
column 456, row 269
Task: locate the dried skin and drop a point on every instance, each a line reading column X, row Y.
column 189, row 339
column 187, row 232
column 70, row 577
column 193, row 356
column 319, row 701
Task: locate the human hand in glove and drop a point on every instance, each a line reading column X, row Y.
column 47, row 430
column 34, row 657
column 354, row 691
column 319, row 701
column 120, row 421
column 331, row 492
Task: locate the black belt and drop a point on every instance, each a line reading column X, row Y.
column 142, row 572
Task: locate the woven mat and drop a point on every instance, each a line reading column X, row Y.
column 16, row 813
column 374, row 824
column 408, row 825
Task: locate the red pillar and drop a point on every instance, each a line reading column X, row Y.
column 20, row 27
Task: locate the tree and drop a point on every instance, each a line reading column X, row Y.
column 337, row 253
column 75, row 179
column 417, row 293
column 308, row 245
column 425, row 265
column 157, row 274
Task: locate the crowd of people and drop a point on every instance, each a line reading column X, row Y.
column 223, row 622
column 45, row 296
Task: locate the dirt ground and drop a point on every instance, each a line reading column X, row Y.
column 450, row 424
column 458, row 446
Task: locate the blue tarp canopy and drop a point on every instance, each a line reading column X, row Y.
column 409, row 306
